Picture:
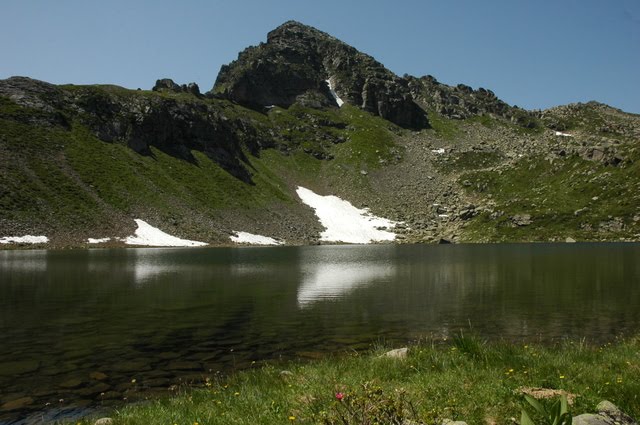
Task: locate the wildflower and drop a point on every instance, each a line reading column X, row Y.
column 561, row 376
column 133, row 381
column 510, row 370
column 339, row 396
column 236, row 393
column 292, row 418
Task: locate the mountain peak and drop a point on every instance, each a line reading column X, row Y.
column 292, row 30
column 299, row 63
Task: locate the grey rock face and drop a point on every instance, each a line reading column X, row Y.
column 173, row 125
column 461, row 101
column 167, row 84
column 298, row 59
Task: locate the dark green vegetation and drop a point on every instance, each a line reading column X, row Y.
column 466, row 379
column 84, row 161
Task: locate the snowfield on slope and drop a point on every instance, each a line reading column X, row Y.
column 345, row 223
column 24, row 239
column 250, row 238
column 98, row 240
column 148, row 235
column 339, row 101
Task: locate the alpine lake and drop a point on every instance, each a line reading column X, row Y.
column 84, row 330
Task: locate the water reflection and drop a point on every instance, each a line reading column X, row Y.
column 330, row 273
column 324, row 282
column 14, row 261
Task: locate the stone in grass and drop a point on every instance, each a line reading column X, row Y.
column 398, row 353
column 103, row 421
column 608, row 414
column 286, row 374
column 452, row 422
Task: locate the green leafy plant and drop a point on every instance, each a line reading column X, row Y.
column 558, row 414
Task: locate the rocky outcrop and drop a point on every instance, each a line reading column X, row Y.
column 174, row 125
column 462, row 101
column 301, row 61
column 168, row 85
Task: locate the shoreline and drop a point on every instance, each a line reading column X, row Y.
column 463, row 379
column 45, row 247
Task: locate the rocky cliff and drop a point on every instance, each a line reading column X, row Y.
column 297, row 64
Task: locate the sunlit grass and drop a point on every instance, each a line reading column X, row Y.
column 465, row 379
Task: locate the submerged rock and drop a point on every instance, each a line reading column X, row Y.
column 17, row 404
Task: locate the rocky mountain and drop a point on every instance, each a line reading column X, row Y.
column 299, row 63
column 445, row 162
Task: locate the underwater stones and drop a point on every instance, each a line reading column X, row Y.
column 71, row 383
column 168, row 355
column 98, row 388
column 132, row 366
column 182, row 365
column 17, row 404
column 19, row 367
column 98, row 376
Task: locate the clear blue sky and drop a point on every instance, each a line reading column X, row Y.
column 535, row 54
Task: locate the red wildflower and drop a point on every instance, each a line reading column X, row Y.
column 339, row 396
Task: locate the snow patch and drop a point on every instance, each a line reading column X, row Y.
column 344, row 222
column 150, row 236
column 560, row 133
column 98, row 240
column 24, row 239
column 339, row 101
column 250, row 238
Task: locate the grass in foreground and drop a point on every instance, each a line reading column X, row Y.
column 466, row 380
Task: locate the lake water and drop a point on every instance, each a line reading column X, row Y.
column 78, row 327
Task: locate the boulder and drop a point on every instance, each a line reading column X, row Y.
column 608, row 414
column 398, row 353
column 522, row 219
